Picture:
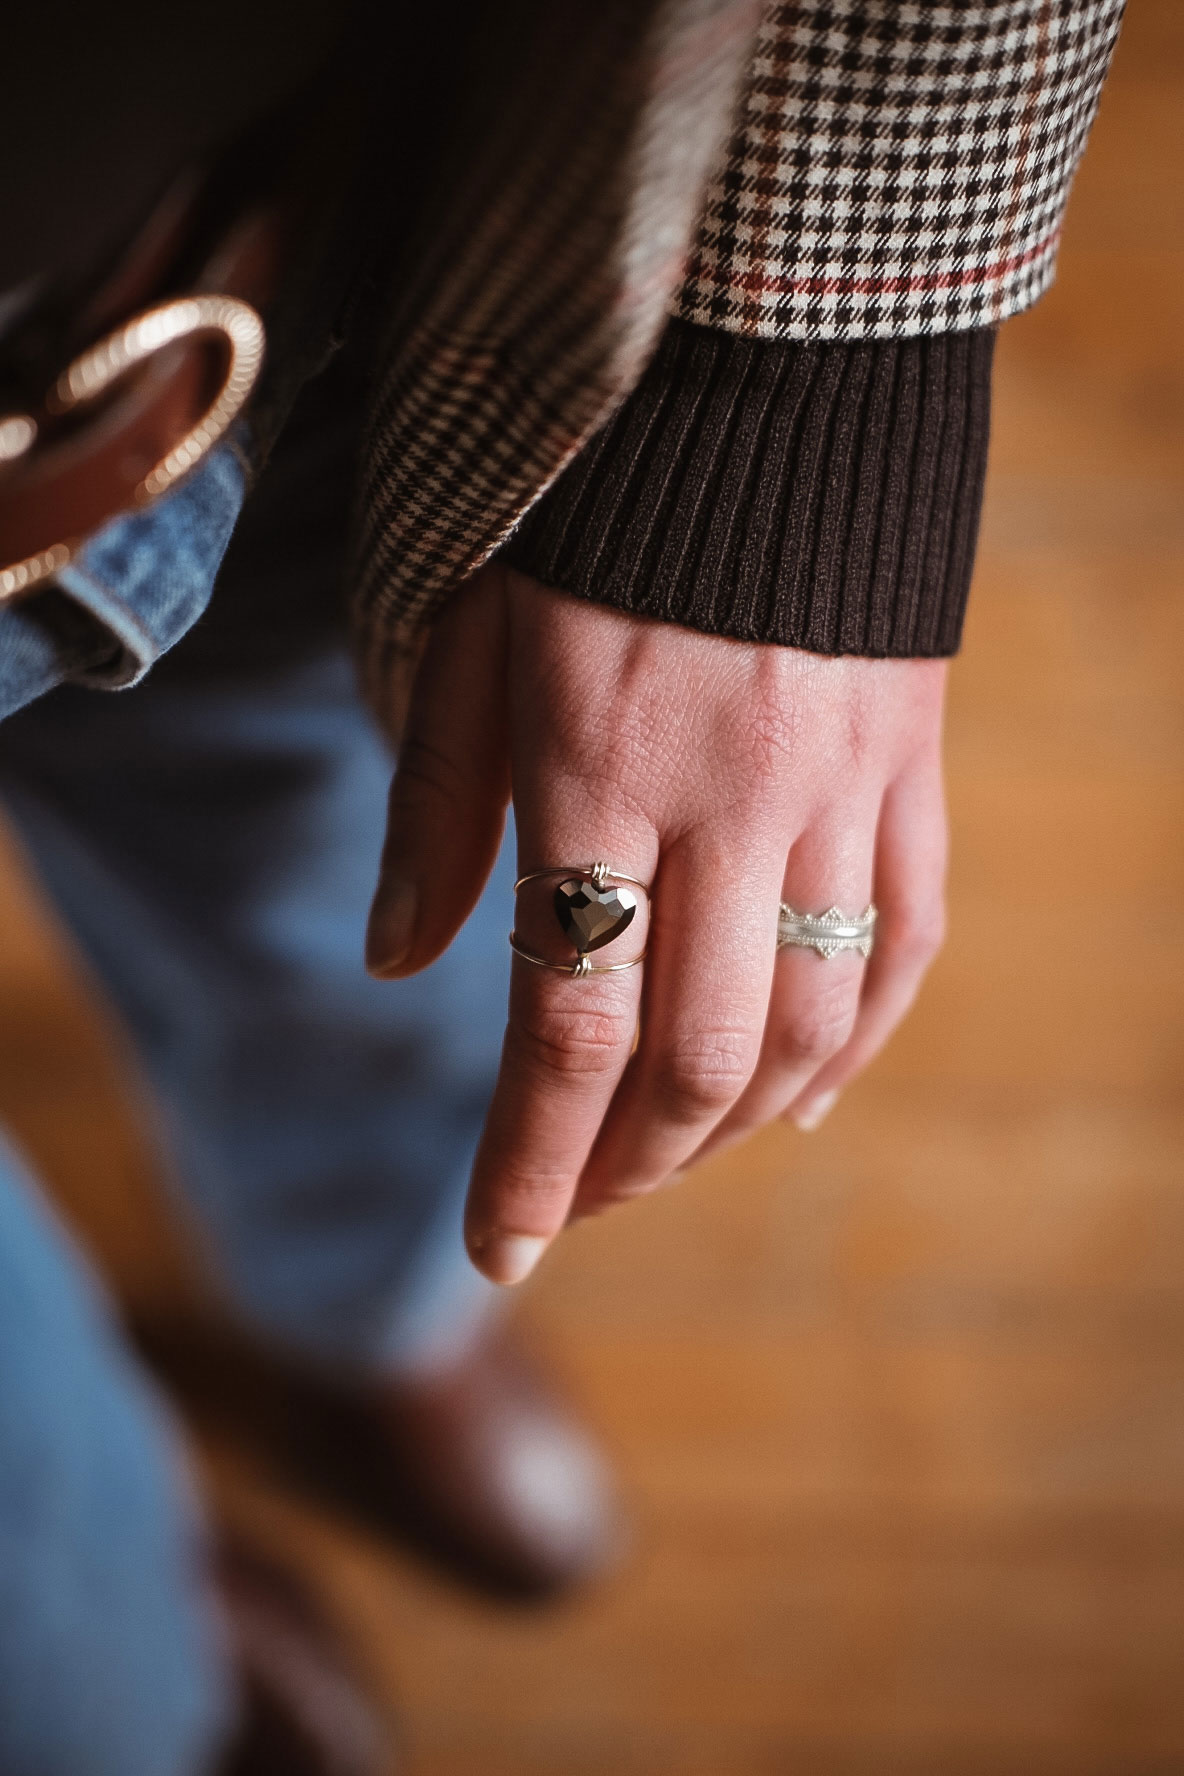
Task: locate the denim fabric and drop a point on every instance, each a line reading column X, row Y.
column 211, row 838
column 131, row 592
column 213, row 844
column 109, row 1663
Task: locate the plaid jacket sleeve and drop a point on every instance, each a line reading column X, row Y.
column 898, row 167
column 803, row 461
column 554, row 234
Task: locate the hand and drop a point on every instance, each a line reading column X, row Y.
column 729, row 775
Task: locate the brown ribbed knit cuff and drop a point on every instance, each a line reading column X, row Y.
column 821, row 496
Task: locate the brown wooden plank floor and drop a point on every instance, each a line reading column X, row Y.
column 901, row 1404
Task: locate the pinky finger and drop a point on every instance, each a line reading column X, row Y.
column 911, row 848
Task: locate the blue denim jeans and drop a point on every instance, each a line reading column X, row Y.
column 211, row 838
column 110, row 1662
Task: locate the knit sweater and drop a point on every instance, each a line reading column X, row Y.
column 824, row 496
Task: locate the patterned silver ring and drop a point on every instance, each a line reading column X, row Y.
column 828, row 933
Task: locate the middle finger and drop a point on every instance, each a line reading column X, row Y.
column 704, row 1005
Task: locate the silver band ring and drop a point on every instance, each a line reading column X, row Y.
column 592, row 909
column 827, row 933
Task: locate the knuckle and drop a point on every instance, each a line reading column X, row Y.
column 619, row 1196
column 704, row 1077
column 817, row 1029
column 774, row 725
column 860, row 732
column 427, row 771
column 519, row 1184
column 918, row 934
column 610, row 751
column 571, row 1042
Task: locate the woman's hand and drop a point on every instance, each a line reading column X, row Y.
column 731, row 776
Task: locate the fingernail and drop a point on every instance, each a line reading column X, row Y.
column 391, row 927
column 507, row 1258
column 810, row 1115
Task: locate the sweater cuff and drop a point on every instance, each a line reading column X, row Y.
column 821, row 496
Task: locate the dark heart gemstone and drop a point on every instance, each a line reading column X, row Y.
column 593, row 916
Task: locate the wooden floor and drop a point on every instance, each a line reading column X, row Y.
column 901, row 1404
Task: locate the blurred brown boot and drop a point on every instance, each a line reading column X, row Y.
column 495, row 1473
column 305, row 1708
column 480, row 1466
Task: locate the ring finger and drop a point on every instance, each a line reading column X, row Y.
column 815, row 1000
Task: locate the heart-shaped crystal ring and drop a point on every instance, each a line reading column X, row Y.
column 594, row 904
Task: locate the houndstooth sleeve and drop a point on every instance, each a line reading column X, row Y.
column 803, row 461
column 898, row 169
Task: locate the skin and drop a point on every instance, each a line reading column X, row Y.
column 730, row 776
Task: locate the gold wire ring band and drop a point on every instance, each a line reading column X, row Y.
column 826, row 933
column 581, row 968
column 599, row 874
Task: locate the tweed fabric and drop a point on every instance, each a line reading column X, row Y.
column 566, row 211
column 823, row 496
column 898, row 168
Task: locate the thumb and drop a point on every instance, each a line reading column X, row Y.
column 452, row 783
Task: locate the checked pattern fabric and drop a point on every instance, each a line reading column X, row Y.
column 898, row 169
column 562, row 233
column 873, row 169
